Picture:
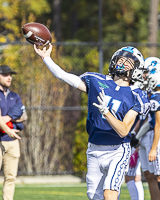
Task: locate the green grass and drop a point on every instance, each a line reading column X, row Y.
column 125, row 194
column 61, row 192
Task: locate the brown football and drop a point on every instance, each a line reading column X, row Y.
column 36, row 33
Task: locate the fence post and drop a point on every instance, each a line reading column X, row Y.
column 100, row 38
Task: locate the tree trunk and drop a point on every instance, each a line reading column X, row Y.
column 153, row 26
column 57, row 19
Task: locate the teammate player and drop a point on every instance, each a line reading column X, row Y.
column 133, row 175
column 151, row 163
column 154, row 85
column 112, row 109
column 145, row 135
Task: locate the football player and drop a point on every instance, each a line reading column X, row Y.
column 150, row 145
column 112, row 109
column 146, row 132
column 133, row 174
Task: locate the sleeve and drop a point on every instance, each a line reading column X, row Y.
column 18, row 126
column 83, row 77
column 18, row 99
column 59, row 73
column 16, row 111
column 142, row 105
column 20, row 108
column 155, row 106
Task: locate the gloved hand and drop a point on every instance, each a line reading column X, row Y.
column 134, row 141
column 103, row 103
column 16, row 111
column 133, row 159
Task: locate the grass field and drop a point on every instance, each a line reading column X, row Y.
column 61, row 192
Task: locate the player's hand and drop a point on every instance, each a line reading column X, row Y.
column 103, row 103
column 12, row 133
column 152, row 155
column 43, row 52
column 134, row 141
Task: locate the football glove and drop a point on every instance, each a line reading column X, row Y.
column 103, row 103
column 134, row 141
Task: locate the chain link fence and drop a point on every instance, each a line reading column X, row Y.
column 53, row 107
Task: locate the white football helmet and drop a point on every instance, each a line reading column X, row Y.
column 150, row 63
column 152, row 71
column 154, row 78
column 128, row 52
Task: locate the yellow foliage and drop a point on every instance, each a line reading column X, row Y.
column 92, row 59
column 16, row 13
column 3, row 39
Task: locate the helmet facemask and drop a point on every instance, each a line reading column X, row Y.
column 119, row 69
column 133, row 74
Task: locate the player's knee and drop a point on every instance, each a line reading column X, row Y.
column 138, row 178
column 149, row 176
column 129, row 178
column 93, row 196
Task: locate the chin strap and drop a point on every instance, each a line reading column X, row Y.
column 122, row 72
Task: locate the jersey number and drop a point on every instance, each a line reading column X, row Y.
column 115, row 105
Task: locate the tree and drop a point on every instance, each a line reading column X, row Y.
column 48, row 134
column 153, row 26
column 57, row 19
column 14, row 14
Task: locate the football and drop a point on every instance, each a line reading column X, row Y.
column 36, row 33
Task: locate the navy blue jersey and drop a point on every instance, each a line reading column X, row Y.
column 5, row 104
column 155, row 106
column 120, row 101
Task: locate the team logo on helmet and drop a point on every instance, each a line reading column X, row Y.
column 151, row 62
column 153, row 66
